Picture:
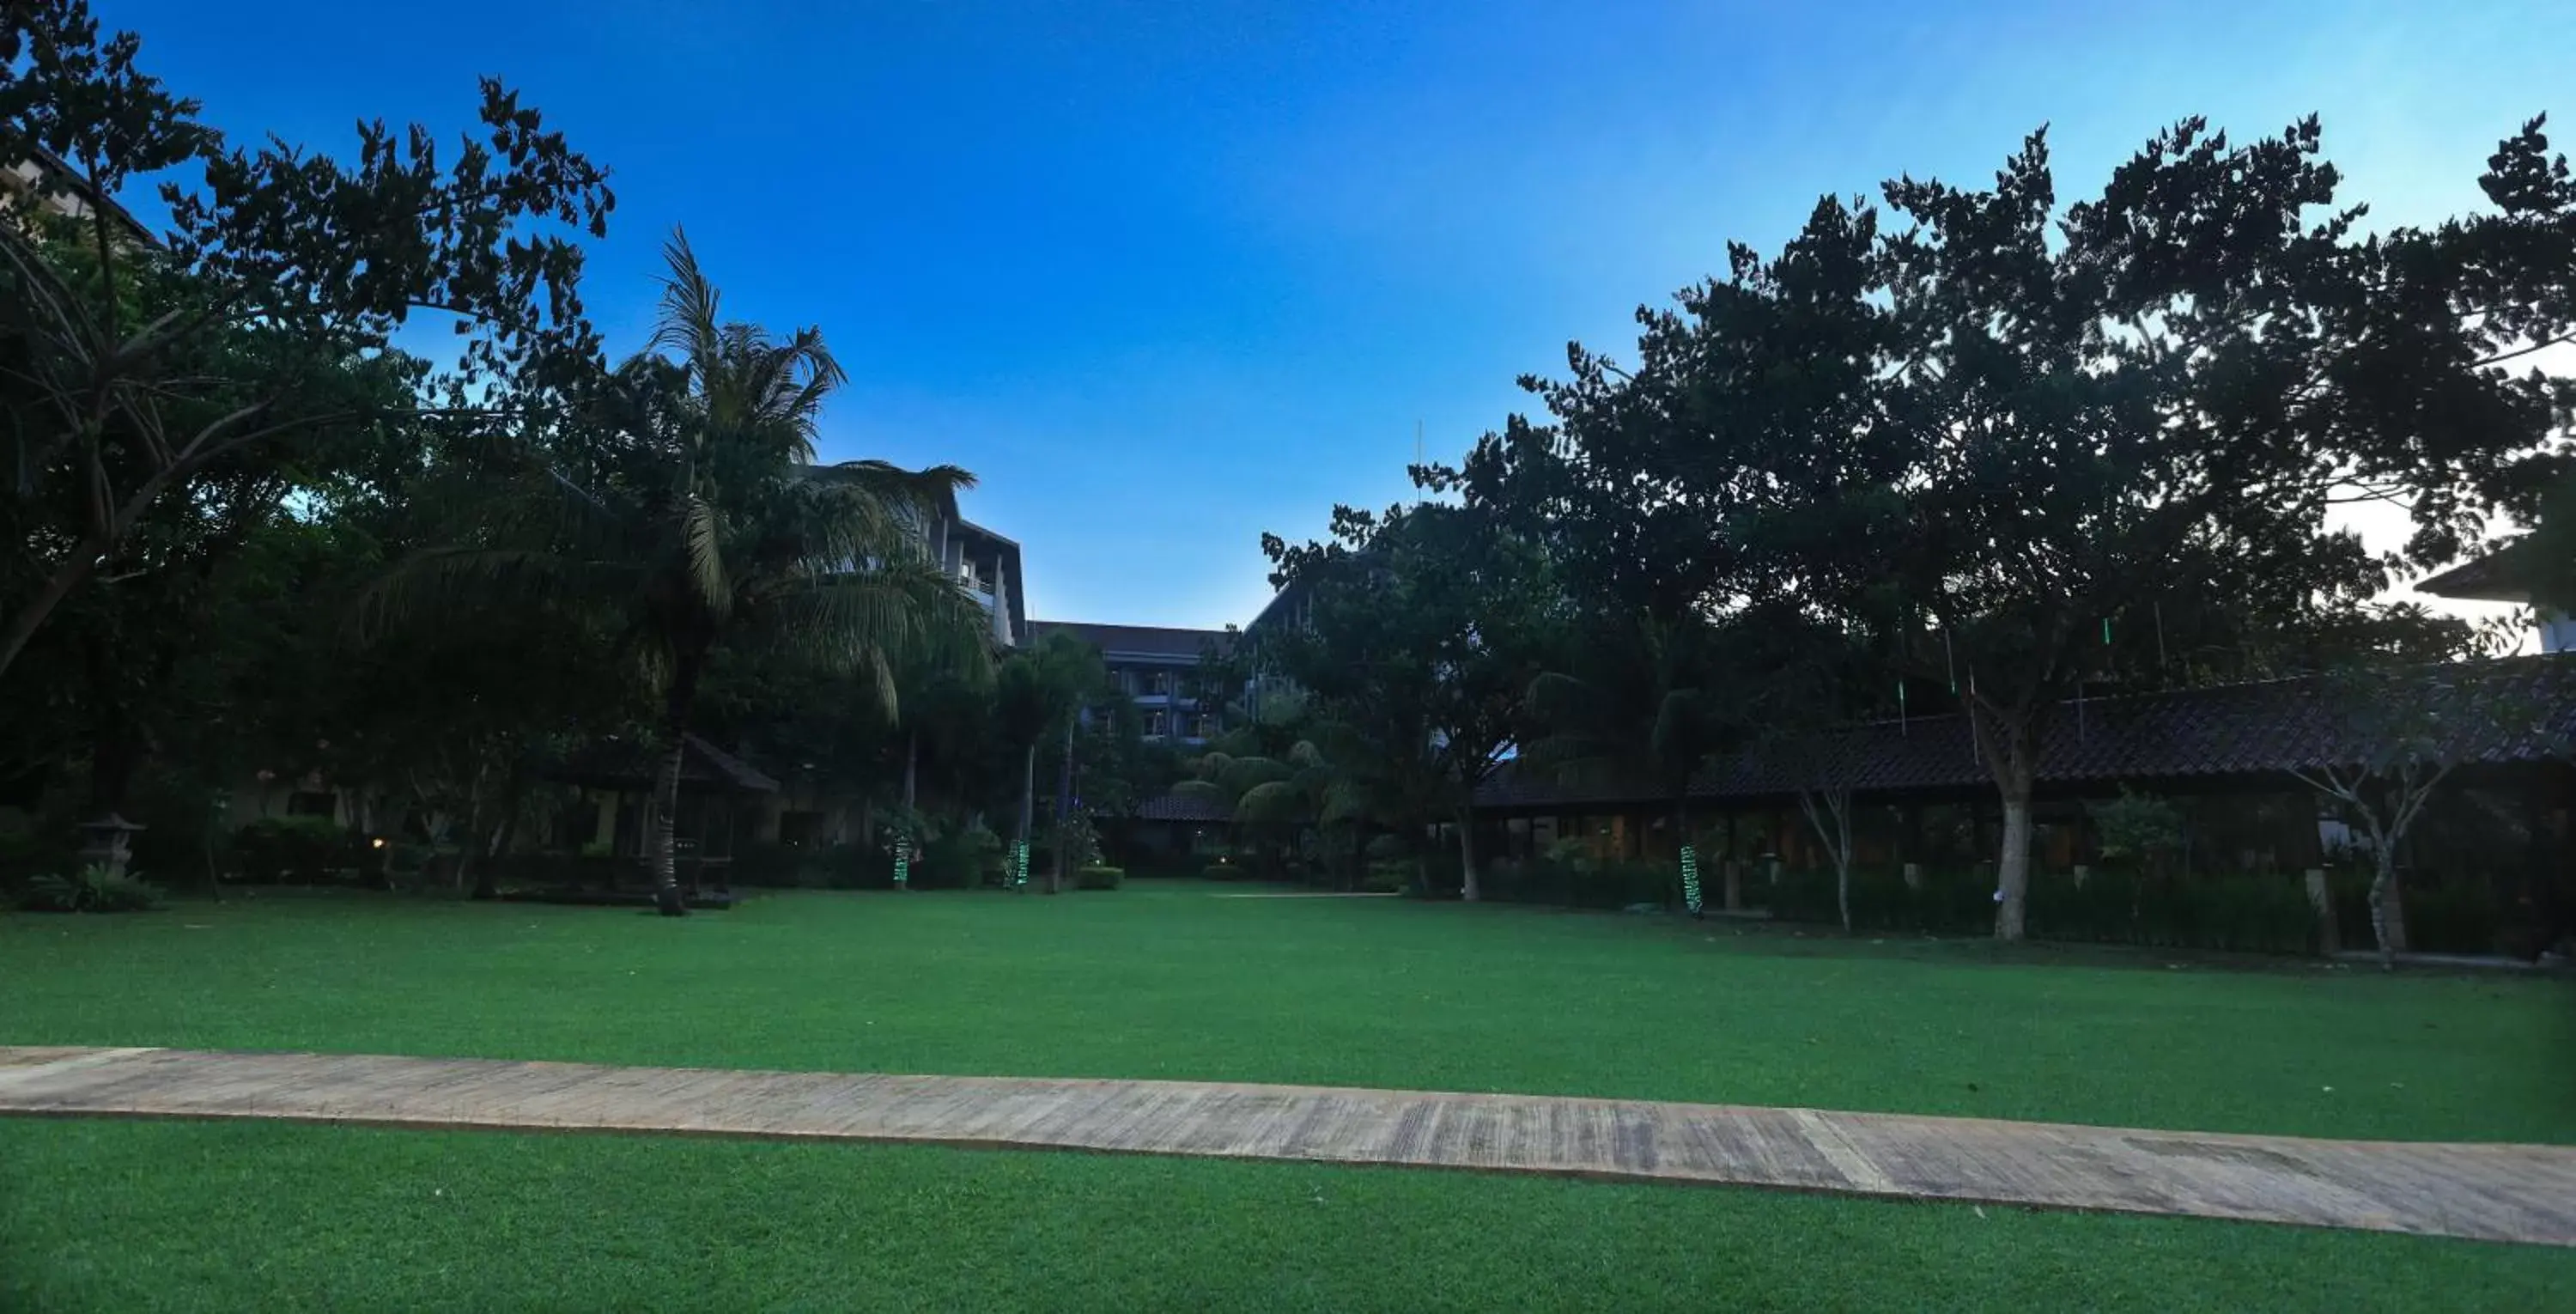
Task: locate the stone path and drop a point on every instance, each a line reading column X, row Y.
column 2523, row 1193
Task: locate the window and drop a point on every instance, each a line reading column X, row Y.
column 1201, row 727
column 312, row 803
column 1162, row 682
column 1154, row 725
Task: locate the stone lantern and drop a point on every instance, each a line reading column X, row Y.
column 104, row 842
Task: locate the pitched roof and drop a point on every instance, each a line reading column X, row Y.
column 627, row 764
column 2260, row 728
column 2498, row 576
column 42, row 171
column 1136, row 640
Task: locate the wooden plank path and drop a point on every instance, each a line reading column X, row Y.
column 2523, row 1193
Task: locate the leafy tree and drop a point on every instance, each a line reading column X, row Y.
column 1814, row 686
column 1428, row 626
column 2019, row 448
column 2390, row 738
column 318, row 262
column 708, row 525
column 2456, row 412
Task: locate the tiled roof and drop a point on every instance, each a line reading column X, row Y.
column 1141, row 640
column 1182, row 807
column 627, row 764
column 2261, row 728
column 2498, row 576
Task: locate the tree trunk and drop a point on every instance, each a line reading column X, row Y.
column 1468, row 889
column 2011, row 750
column 2012, row 868
column 1063, row 814
column 1734, row 864
column 2387, row 909
column 911, row 765
column 666, row 789
column 1829, row 815
column 469, row 853
column 1842, row 887
column 512, row 792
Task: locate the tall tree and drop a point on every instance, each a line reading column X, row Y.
column 705, row 524
column 102, row 333
column 1037, row 695
column 1428, row 628
column 2023, row 448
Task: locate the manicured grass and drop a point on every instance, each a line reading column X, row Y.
column 124, row 1217
column 1170, row 982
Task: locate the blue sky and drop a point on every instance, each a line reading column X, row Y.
column 1170, row 275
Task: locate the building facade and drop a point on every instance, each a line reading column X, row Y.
column 1157, row 667
column 988, row 564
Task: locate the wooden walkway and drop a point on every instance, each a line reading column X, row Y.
column 2490, row 1192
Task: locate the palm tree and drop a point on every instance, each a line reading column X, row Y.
column 1643, row 705
column 1036, row 693
column 697, row 519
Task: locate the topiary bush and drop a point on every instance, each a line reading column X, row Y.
column 93, row 889
column 1097, row 876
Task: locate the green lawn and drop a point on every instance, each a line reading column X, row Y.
column 1171, row 982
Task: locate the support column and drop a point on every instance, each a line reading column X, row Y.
column 2321, row 901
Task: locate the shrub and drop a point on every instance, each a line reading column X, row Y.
column 2139, row 830
column 1571, row 879
column 1095, row 876
column 1948, row 901
column 2252, row 912
column 28, row 853
column 291, row 848
column 2458, row 918
column 93, row 889
column 1391, row 877
column 959, row 860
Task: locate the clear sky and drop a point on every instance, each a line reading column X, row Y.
column 1169, row 275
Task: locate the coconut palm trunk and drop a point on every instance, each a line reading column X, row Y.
column 677, row 702
column 1470, row 889
column 911, row 770
column 1063, row 814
